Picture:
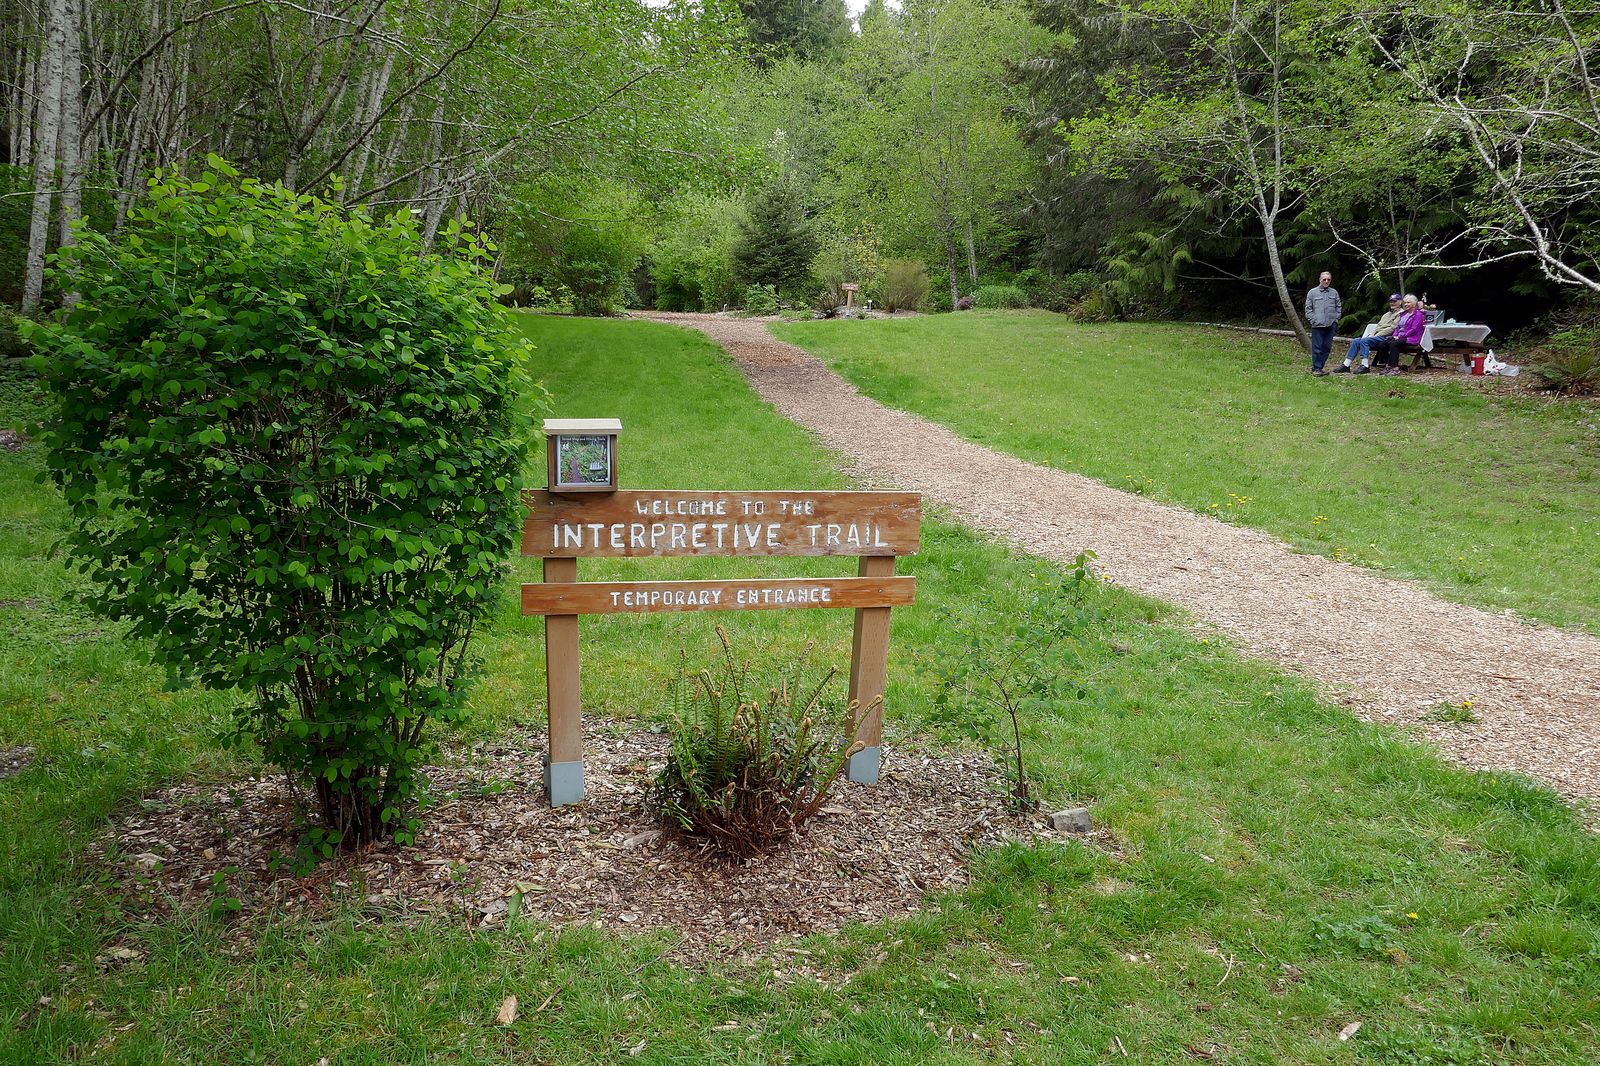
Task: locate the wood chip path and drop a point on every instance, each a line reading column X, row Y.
column 1390, row 650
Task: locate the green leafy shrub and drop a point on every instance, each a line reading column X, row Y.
column 530, row 294
column 1056, row 292
column 1005, row 296
column 827, row 300
column 747, row 768
column 1013, row 662
column 1569, row 363
column 581, row 238
column 692, row 261
column 1095, row 307
column 291, row 447
column 846, row 257
column 12, row 344
column 760, row 300
column 16, row 201
column 905, row 285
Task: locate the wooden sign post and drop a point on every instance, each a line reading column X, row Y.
column 874, row 526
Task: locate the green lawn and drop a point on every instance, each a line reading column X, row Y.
column 1487, row 499
column 1281, row 871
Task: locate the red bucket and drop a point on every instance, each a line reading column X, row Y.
column 1477, row 365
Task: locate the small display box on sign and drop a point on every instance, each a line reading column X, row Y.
column 582, row 454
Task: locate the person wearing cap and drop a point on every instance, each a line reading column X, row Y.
column 1374, row 341
column 1323, row 310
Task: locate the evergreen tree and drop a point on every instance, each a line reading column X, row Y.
column 776, row 240
column 805, row 29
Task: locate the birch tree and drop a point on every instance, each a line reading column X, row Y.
column 1521, row 85
column 928, row 147
column 1215, row 110
column 433, row 105
column 46, row 134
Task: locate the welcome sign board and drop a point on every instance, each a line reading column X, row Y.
column 876, row 527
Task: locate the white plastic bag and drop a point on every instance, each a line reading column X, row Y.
column 1491, row 365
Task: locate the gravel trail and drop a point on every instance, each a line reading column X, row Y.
column 1389, row 649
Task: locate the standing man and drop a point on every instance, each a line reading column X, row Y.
column 1323, row 311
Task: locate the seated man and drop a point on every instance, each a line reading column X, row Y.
column 1407, row 336
column 1365, row 346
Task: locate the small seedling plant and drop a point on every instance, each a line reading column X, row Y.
column 1011, row 661
column 750, row 765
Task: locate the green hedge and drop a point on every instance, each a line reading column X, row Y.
column 292, row 450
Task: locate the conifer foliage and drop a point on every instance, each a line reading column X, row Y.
column 776, row 240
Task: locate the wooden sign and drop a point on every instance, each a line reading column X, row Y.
column 639, row 597
column 674, row 522
column 876, row 527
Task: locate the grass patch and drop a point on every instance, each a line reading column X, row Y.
column 1282, row 869
column 1486, row 499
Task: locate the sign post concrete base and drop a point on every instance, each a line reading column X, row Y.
column 863, row 766
column 563, row 782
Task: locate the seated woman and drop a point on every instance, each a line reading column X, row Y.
column 1365, row 346
column 1407, row 336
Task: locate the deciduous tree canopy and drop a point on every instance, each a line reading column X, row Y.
column 1183, row 153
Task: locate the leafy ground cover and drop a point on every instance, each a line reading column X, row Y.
column 1281, row 870
column 1487, row 499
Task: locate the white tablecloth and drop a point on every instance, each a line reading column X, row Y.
column 1465, row 332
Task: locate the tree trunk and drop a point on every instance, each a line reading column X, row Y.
column 70, row 148
column 1270, row 231
column 950, row 260
column 972, row 256
column 44, row 153
column 435, row 190
column 377, row 91
column 22, row 128
column 356, row 820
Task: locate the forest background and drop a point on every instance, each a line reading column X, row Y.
column 1105, row 158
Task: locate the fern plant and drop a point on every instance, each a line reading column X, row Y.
column 1569, row 364
column 748, row 768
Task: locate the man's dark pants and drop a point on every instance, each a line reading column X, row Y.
column 1321, row 345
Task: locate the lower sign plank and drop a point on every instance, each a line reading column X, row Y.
column 627, row 597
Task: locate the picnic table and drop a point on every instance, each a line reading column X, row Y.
column 1465, row 335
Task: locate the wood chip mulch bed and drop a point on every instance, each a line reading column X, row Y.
column 872, row 852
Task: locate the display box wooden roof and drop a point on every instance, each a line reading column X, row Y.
column 582, row 427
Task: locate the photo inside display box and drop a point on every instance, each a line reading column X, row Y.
column 583, row 460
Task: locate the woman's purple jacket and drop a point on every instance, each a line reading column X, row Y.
column 1410, row 327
